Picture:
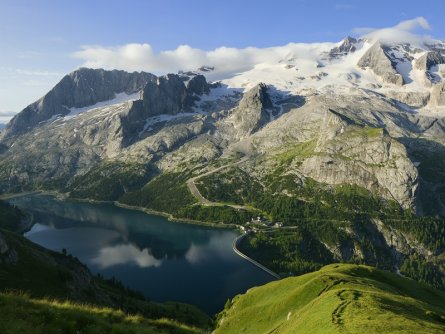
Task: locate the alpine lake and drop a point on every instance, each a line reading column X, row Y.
column 165, row 260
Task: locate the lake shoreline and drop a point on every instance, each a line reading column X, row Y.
column 169, row 216
column 7, row 196
column 172, row 218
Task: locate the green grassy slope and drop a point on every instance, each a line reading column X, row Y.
column 20, row 314
column 340, row 298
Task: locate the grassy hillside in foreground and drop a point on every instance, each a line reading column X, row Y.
column 339, row 298
column 20, row 314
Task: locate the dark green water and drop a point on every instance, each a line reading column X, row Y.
column 164, row 260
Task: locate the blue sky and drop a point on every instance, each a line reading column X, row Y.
column 39, row 39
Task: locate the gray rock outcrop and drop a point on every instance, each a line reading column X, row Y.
column 428, row 60
column 413, row 99
column 251, row 113
column 380, row 62
column 425, row 63
column 166, row 96
column 438, row 95
column 347, row 46
column 368, row 157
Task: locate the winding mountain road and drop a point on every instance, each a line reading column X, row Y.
column 204, row 201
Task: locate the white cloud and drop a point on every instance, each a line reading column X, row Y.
column 124, row 254
column 5, row 116
column 403, row 32
column 413, row 24
column 215, row 248
column 4, row 113
column 4, row 120
column 227, row 61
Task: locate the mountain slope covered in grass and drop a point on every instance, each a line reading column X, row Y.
column 20, row 314
column 339, row 298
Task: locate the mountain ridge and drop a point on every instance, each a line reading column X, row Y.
column 336, row 298
column 80, row 88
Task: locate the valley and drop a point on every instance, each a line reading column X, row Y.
column 303, row 190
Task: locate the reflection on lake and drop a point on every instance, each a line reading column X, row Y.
column 125, row 254
column 164, row 260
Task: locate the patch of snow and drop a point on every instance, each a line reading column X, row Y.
column 309, row 70
column 300, row 69
column 220, row 92
column 52, row 119
column 118, row 99
column 218, row 99
column 164, row 118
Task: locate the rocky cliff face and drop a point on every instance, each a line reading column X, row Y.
column 426, row 63
column 438, row 95
column 428, row 60
column 81, row 88
column 378, row 60
column 251, row 113
column 167, row 96
column 367, row 157
column 350, row 147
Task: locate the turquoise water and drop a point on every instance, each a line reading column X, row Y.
column 164, row 260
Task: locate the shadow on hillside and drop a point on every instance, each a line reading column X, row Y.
column 429, row 158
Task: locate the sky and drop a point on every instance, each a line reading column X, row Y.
column 42, row 40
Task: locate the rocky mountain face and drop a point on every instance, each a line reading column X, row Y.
column 347, row 46
column 377, row 58
column 428, row 61
column 370, row 115
column 357, row 130
column 251, row 114
column 167, row 95
column 438, row 95
column 84, row 87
